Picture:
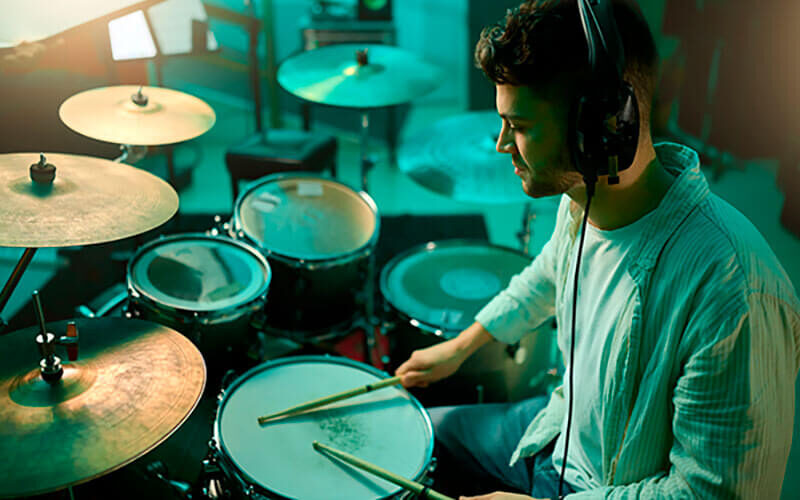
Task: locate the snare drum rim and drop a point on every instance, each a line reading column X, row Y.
column 226, row 392
column 429, row 247
column 138, row 296
column 364, row 250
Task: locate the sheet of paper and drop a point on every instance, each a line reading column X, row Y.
column 172, row 24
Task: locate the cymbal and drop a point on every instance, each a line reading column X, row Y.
column 110, row 114
column 333, row 75
column 91, row 200
column 456, row 157
column 134, row 383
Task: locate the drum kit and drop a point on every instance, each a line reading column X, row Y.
column 295, row 261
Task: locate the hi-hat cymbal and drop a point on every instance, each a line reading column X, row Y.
column 456, row 157
column 91, row 200
column 110, row 114
column 134, row 383
column 334, row 75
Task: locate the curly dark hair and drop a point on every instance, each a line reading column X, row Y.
column 541, row 44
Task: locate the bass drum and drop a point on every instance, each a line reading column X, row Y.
column 433, row 291
column 318, row 236
column 388, row 428
column 206, row 287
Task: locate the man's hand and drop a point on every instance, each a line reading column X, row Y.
column 499, row 495
column 431, row 364
column 442, row 360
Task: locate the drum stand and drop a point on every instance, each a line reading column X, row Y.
column 13, row 281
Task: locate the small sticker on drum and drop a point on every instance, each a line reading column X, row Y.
column 309, row 189
column 469, row 283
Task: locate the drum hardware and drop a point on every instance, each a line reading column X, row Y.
column 106, row 302
column 158, row 470
column 50, row 365
column 131, row 153
column 135, row 383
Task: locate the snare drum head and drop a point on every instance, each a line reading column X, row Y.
column 444, row 285
column 386, row 427
column 199, row 273
column 308, row 218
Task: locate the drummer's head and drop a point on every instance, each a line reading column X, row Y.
column 537, row 57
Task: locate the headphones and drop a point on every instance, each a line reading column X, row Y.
column 604, row 126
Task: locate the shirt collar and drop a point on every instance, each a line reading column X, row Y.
column 687, row 191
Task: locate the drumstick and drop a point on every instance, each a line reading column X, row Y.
column 331, row 399
column 413, row 486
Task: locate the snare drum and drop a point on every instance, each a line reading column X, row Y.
column 387, row 427
column 432, row 292
column 206, row 287
column 318, row 236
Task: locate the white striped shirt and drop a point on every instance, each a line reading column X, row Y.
column 699, row 392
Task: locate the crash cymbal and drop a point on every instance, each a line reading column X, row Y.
column 456, row 157
column 110, row 114
column 134, row 383
column 337, row 76
column 91, row 200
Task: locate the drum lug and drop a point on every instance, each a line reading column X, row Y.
column 210, row 466
column 431, row 469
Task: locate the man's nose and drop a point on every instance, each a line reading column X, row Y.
column 504, row 142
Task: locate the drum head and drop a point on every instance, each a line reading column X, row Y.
column 199, row 273
column 443, row 285
column 387, row 427
column 306, row 218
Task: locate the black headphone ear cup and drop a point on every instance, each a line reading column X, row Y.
column 604, row 126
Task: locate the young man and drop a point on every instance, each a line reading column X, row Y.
column 687, row 328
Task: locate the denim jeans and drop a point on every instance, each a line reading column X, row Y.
column 474, row 445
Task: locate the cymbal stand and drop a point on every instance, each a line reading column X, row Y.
column 366, row 162
column 50, row 365
column 131, row 153
column 525, row 234
column 13, row 281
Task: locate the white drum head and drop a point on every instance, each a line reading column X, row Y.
column 307, row 218
column 386, row 427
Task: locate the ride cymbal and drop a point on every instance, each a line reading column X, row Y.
column 358, row 76
column 91, row 200
column 134, row 383
column 142, row 116
column 456, row 157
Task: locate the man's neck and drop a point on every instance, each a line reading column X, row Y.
column 640, row 190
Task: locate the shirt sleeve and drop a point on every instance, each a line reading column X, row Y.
column 733, row 410
column 529, row 298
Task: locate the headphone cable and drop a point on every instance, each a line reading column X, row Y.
column 590, row 184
